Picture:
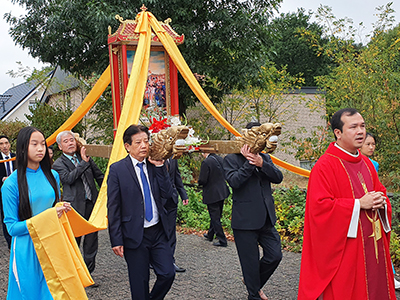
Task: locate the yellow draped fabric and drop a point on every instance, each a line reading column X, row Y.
column 52, row 236
column 130, row 113
column 58, row 253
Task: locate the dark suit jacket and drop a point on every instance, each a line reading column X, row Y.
column 177, row 184
column 3, row 172
column 71, row 179
column 252, row 197
column 126, row 204
column 212, row 178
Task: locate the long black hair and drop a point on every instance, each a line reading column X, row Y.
column 23, row 139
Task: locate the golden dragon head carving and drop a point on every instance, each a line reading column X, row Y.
column 163, row 142
column 263, row 137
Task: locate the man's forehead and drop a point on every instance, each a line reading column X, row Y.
column 3, row 140
column 139, row 136
column 353, row 119
column 67, row 136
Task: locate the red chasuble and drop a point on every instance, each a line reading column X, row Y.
column 333, row 265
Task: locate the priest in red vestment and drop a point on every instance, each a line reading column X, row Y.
column 347, row 222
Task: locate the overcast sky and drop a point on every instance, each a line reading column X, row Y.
column 358, row 10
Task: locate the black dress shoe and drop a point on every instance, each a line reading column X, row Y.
column 178, row 269
column 207, row 237
column 94, row 285
column 219, row 244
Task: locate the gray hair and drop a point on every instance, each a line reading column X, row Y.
column 61, row 134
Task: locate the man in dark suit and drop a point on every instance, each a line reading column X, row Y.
column 215, row 191
column 138, row 188
column 172, row 204
column 6, row 168
column 253, row 215
column 78, row 173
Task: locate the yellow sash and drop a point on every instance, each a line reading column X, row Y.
column 58, row 253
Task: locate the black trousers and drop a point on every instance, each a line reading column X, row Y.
column 171, row 219
column 7, row 236
column 215, row 212
column 256, row 271
column 154, row 250
column 90, row 241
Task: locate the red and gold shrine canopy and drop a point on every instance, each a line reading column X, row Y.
column 126, row 32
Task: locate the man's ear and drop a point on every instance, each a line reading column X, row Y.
column 337, row 133
column 59, row 147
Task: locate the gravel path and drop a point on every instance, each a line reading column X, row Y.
column 212, row 273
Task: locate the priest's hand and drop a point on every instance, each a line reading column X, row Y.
column 373, row 200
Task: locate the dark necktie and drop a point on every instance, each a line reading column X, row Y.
column 86, row 186
column 167, row 164
column 147, row 197
column 8, row 168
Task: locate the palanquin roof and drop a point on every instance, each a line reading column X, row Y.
column 126, row 32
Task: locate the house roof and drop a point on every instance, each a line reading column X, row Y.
column 14, row 96
column 61, row 81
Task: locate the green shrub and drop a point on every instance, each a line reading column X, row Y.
column 395, row 202
column 189, row 167
column 395, row 248
column 290, row 207
column 195, row 214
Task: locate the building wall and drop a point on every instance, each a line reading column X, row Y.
column 307, row 118
column 72, row 99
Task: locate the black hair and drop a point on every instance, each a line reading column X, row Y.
column 132, row 130
column 252, row 124
column 4, row 136
column 371, row 135
column 23, row 139
column 336, row 120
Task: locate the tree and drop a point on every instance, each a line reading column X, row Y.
column 368, row 79
column 288, row 47
column 49, row 118
column 223, row 39
column 267, row 97
column 101, row 120
column 11, row 129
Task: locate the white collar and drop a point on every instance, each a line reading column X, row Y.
column 347, row 152
column 135, row 161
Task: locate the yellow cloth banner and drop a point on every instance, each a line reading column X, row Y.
column 59, row 255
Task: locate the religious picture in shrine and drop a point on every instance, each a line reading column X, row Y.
column 156, row 91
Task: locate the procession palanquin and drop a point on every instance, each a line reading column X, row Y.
column 161, row 92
